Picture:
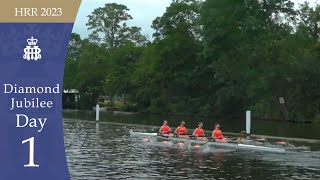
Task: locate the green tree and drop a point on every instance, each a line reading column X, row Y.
column 118, row 81
column 242, row 51
column 93, row 67
column 309, row 20
column 107, row 22
column 144, row 81
column 217, row 57
column 166, row 66
column 71, row 66
column 109, row 26
column 180, row 16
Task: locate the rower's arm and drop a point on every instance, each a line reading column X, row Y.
column 194, row 132
column 176, row 131
column 213, row 135
column 160, row 130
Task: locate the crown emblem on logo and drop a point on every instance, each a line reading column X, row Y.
column 32, row 41
column 32, row 51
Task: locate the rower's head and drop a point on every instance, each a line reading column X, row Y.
column 200, row 124
column 217, row 126
column 165, row 122
column 182, row 123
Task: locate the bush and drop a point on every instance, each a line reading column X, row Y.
column 85, row 102
column 127, row 107
column 316, row 119
column 107, row 103
column 265, row 109
column 157, row 106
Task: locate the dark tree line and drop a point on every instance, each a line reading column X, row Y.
column 206, row 58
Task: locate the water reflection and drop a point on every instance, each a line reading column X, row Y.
column 232, row 125
column 97, row 127
column 105, row 151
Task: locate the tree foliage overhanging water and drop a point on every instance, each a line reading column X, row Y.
column 205, row 58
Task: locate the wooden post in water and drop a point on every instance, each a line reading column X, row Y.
column 97, row 112
column 248, row 122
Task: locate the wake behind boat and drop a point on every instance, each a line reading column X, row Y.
column 141, row 134
column 233, row 145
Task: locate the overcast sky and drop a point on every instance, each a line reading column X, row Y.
column 142, row 11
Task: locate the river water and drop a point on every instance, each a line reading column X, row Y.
column 101, row 151
column 282, row 129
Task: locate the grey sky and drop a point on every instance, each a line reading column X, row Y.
column 142, row 11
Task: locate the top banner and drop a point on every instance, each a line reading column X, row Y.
column 39, row 10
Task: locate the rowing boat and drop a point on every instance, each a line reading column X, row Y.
column 229, row 145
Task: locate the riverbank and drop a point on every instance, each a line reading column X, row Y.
column 118, row 111
column 155, row 128
column 267, row 128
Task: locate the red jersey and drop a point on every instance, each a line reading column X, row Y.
column 181, row 130
column 218, row 134
column 199, row 132
column 165, row 129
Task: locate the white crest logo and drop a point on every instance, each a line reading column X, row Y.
column 32, row 51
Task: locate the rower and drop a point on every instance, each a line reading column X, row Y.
column 243, row 138
column 199, row 132
column 165, row 129
column 217, row 134
column 181, row 130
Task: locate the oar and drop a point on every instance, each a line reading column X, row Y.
column 158, row 134
column 169, row 138
column 190, row 136
column 161, row 134
column 209, row 140
column 229, row 140
column 261, row 141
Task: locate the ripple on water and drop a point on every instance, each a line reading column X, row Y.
column 111, row 153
